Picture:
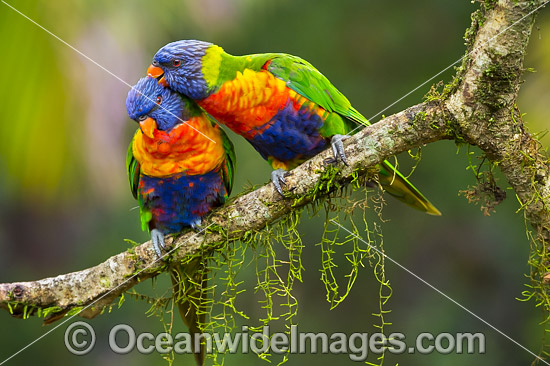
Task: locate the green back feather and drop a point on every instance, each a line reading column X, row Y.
column 306, row 80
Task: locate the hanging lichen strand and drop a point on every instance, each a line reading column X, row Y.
column 275, row 255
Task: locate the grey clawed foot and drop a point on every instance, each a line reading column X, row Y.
column 278, row 178
column 329, row 161
column 338, row 147
column 157, row 238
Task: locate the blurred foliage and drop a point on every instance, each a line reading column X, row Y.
column 37, row 155
column 65, row 204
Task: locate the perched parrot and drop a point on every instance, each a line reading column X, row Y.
column 180, row 166
column 280, row 103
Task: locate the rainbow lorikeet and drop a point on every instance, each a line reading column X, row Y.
column 280, row 103
column 180, row 166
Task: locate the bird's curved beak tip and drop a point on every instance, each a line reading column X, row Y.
column 148, row 127
column 157, row 73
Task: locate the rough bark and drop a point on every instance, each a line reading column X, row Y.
column 478, row 107
column 484, row 106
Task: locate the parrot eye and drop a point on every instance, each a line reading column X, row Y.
column 142, row 118
column 176, row 62
column 159, row 99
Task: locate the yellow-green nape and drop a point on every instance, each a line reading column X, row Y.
column 211, row 62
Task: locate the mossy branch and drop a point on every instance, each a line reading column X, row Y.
column 253, row 211
column 477, row 107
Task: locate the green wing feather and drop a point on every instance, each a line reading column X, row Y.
column 228, row 169
column 398, row 186
column 306, row 80
column 133, row 170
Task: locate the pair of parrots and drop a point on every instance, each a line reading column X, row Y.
column 181, row 163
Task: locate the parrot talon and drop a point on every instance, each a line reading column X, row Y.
column 338, row 147
column 157, row 238
column 329, row 161
column 278, row 178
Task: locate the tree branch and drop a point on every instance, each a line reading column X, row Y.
column 478, row 107
column 101, row 284
column 484, row 106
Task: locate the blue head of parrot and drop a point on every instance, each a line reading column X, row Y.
column 180, row 65
column 148, row 100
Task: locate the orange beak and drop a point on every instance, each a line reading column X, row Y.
column 148, row 127
column 157, row 73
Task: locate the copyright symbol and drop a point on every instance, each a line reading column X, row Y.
column 79, row 338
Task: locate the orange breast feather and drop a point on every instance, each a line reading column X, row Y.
column 246, row 103
column 184, row 149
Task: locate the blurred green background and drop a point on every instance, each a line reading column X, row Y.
column 65, row 204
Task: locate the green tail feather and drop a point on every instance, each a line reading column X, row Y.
column 398, row 186
column 188, row 281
